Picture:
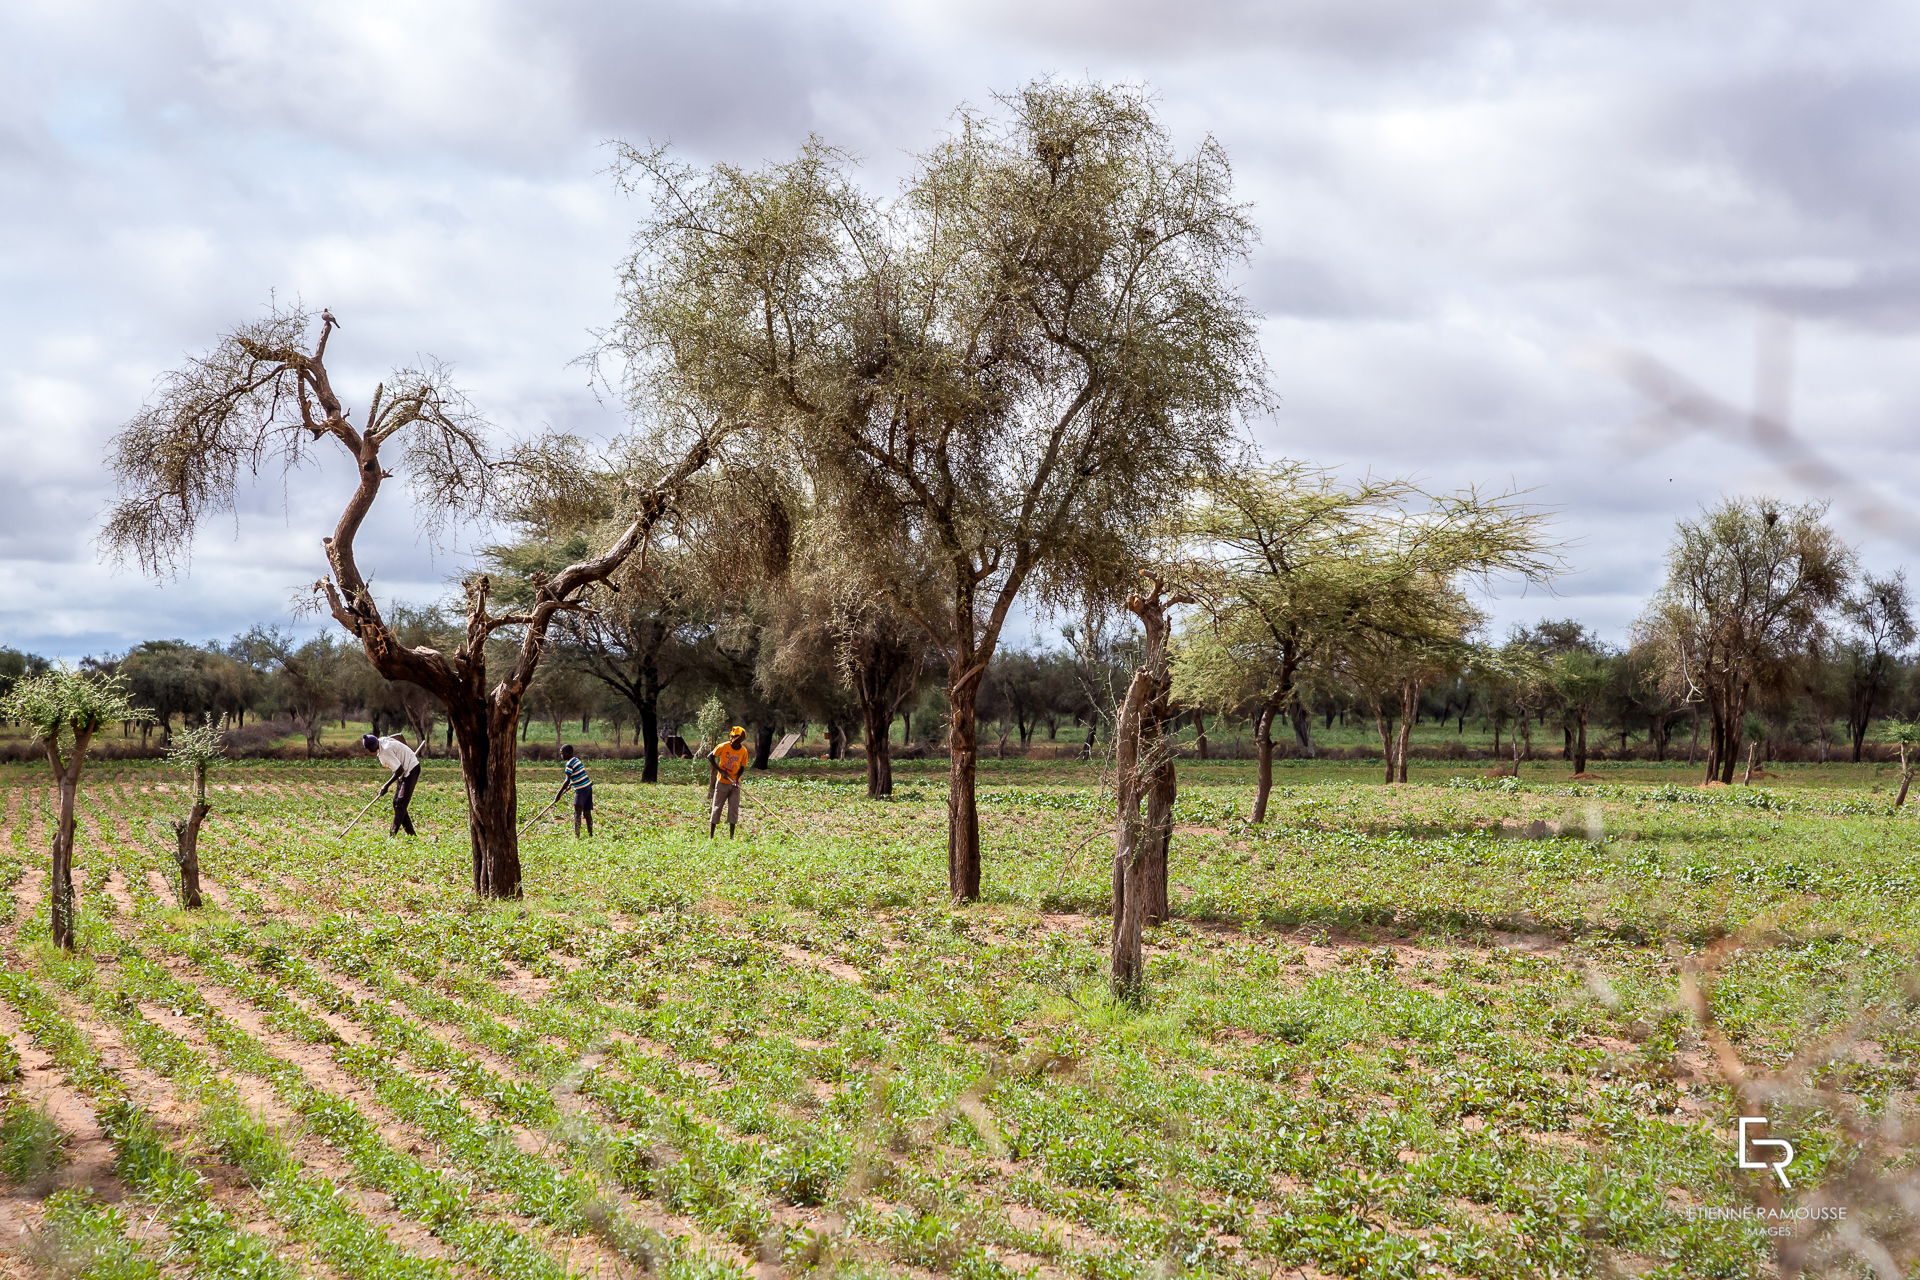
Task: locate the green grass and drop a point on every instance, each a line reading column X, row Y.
column 1394, row 1031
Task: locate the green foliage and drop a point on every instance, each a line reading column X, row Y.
column 1312, row 574
column 712, row 722
column 64, row 707
column 198, row 749
column 32, row 1144
column 1391, row 1032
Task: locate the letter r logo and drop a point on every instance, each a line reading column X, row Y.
column 1747, row 1144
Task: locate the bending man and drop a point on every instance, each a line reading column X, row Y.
column 582, row 787
column 724, row 764
column 396, row 755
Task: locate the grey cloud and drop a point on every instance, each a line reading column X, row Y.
column 1374, row 31
column 1456, row 199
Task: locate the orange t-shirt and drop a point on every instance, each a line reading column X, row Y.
column 730, row 760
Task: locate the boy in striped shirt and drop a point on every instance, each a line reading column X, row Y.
column 582, row 787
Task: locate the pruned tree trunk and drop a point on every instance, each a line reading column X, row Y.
column 1156, row 909
column 60, row 896
column 186, row 835
column 1906, row 777
column 61, row 885
column 1200, row 747
column 1143, row 774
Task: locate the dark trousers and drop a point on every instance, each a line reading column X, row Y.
column 402, row 796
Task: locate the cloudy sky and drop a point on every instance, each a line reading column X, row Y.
column 1473, row 214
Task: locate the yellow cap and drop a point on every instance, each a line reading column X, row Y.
column 736, row 732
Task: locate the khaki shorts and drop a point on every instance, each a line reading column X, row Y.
column 726, row 795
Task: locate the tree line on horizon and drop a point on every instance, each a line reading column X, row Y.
column 648, row 675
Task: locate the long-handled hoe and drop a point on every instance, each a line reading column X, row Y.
column 363, row 813
column 536, row 817
column 758, row 807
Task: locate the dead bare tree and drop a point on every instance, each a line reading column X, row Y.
column 263, row 396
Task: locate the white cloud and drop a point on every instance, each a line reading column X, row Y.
column 1458, row 199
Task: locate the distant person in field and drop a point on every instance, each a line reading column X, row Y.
column 581, row 785
column 724, row 765
column 396, row 755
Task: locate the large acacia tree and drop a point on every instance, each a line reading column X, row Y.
column 1017, row 364
column 1880, row 629
column 263, row 396
column 1750, row 588
column 1312, row 573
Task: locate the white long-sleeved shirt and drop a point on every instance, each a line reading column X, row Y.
column 397, row 756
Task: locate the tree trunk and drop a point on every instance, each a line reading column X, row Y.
column 61, row 886
column 488, row 753
column 60, row 897
column 1199, row 735
column 1906, row 777
column 1144, row 771
column 649, row 713
column 1580, row 742
column 836, row 740
column 763, row 745
column 1409, row 716
column 1719, row 747
column 1733, row 733
column 963, row 813
column 1384, row 726
column 1302, row 721
column 1156, row 908
column 1263, row 753
column 877, row 721
column 186, row 834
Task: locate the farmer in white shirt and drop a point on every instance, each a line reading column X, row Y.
column 396, row 755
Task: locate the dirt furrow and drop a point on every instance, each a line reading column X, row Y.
column 314, row 1156
column 225, row 1187
column 317, row 1065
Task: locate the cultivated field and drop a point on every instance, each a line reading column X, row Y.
column 1426, row 1030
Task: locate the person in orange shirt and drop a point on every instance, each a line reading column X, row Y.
column 725, row 764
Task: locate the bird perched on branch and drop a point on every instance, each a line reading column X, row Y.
column 326, row 318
